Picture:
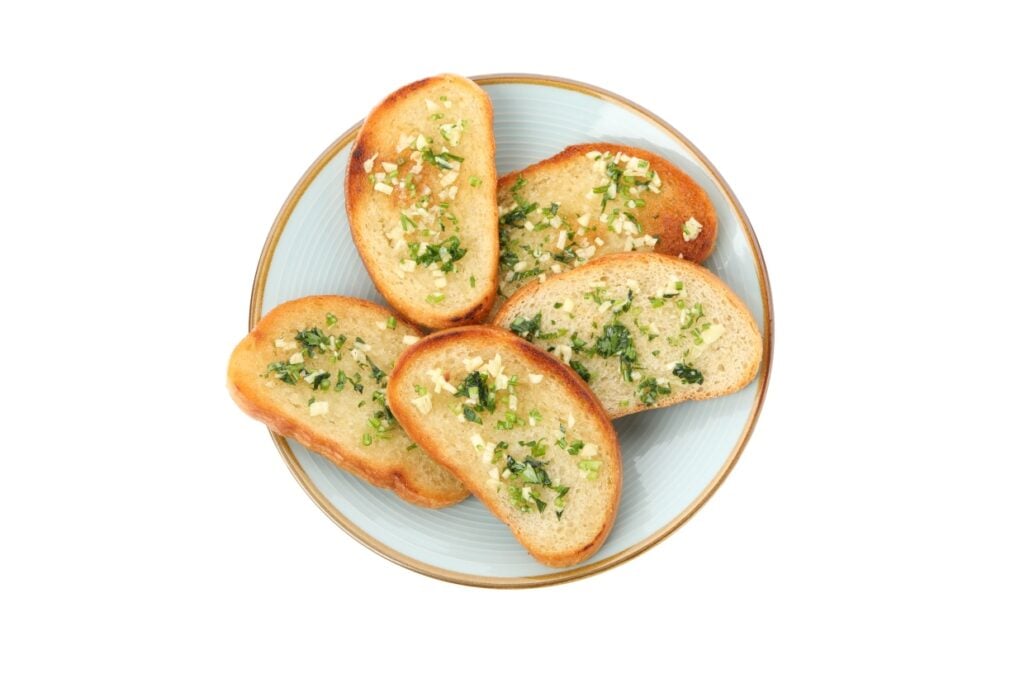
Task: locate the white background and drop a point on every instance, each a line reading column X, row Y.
column 873, row 527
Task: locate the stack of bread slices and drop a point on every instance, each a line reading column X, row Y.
column 559, row 297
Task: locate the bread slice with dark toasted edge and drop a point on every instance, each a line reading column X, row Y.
column 584, row 457
column 391, row 459
column 662, row 321
column 568, row 179
column 466, row 293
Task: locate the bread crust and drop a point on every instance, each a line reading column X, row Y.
column 358, row 194
column 640, row 261
column 499, row 340
column 245, row 392
column 681, row 198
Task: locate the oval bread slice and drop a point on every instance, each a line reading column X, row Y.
column 316, row 370
column 644, row 330
column 596, row 199
column 420, row 195
column 525, row 435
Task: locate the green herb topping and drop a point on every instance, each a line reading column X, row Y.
column 446, row 253
column 615, row 340
column 526, row 328
column 688, row 374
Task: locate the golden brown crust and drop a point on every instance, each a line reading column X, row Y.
column 507, row 342
column 242, row 387
column 681, row 198
column 696, row 270
column 358, row 192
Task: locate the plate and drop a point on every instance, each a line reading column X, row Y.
column 673, row 459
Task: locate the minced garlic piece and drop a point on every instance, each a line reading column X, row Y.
column 422, row 403
column 691, row 228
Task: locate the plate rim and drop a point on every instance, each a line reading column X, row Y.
column 482, row 581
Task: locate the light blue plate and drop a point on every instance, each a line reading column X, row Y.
column 673, row 459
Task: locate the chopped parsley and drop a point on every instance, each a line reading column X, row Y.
column 531, row 472
column 321, row 379
column 527, row 328
column 615, row 340
column 355, row 381
column 288, row 373
column 580, row 369
column 510, row 422
column 649, row 390
column 688, row 374
column 446, row 253
column 312, row 340
column 474, row 386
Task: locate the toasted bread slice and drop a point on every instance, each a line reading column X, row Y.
column 524, row 434
column 316, row 370
column 420, row 194
column 596, row 199
column 644, row 330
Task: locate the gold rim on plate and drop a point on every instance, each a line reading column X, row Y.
column 256, row 305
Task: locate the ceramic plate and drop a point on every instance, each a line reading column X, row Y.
column 673, row 459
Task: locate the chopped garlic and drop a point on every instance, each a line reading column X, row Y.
column 560, row 244
column 535, row 379
column 409, row 339
column 584, row 220
column 440, row 382
column 422, row 403
column 589, row 450
column 388, row 166
column 295, row 359
column 567, row 305
column 368, row 164
column 383, row 187
column 431, row 106
column 472, row 364
column 564, row 351
column 403, row 142
column 605, row 305
column 691, row 228
column 513, row 402
column 598, row 241
column 494, row 367
column 318, row 408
